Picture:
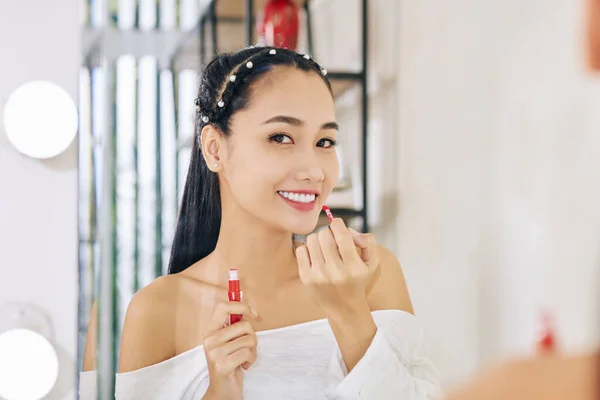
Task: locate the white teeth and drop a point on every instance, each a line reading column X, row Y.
column 297, row 197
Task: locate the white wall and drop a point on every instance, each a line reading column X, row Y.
column 38, row 199
column 444, row 81
column 499, row 172
column 544, row 236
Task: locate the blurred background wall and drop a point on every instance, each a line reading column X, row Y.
column 498, row 170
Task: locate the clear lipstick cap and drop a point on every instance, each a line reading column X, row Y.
column 233, row 274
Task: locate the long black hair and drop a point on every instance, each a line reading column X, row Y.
column 225, row 88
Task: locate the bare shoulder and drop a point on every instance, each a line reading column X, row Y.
column 153, row 329
column 89, row 351
column 149, row 328
column 145, row 313
column 388, row 288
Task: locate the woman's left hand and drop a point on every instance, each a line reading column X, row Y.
column 336, row 265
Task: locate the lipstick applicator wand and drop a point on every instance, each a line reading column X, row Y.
column 328, row 212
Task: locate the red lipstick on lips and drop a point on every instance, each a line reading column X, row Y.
column 298, row 205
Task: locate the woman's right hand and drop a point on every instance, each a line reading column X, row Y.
column 229, row 350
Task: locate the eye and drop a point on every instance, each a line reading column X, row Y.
column 326, row 143
column 281, row 138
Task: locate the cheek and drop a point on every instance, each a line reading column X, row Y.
column 331, row 169
column 252, row 175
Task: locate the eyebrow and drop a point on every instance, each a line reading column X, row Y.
column 285, row 119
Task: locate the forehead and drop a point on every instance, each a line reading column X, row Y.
column 289, row 91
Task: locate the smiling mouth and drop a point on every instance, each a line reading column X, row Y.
column 303, row 198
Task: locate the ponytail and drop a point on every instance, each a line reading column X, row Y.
column 199, row 219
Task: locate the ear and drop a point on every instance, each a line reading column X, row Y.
column 213, row 148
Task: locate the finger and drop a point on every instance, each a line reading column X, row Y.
column 303, row 263
column 317, row 261
column 333, row 267
column 230, row 333
column 246, row 341
column 344, row 240
column 360, row 239
column 370, row 255
column 238, row 359
column 314, row 249
column 222, row 311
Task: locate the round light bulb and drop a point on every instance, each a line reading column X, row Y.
column 28, row 365
column 40, row 119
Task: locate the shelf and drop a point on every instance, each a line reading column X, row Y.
column 343, row 81
column 113, row 43
column 346, row 212
column 235, row 10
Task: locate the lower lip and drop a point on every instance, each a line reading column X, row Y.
column 300, row 206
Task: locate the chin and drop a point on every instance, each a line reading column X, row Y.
column 303, row 226
column 304, row 229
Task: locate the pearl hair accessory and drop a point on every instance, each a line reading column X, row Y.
column 233, row 78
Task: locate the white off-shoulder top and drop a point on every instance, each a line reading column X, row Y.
column 298, row 362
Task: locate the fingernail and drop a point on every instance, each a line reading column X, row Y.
column 254, row 313
column 354, row 231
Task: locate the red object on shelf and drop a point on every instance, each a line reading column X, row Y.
column 280, row 24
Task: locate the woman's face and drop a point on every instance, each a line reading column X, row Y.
column 281, row 163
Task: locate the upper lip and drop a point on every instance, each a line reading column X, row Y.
column 303, row 191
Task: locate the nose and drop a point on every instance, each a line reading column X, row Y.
column 311, row 174
column 309, row 165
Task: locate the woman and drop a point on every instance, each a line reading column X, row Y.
column 329, row 318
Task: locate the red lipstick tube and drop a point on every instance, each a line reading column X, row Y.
column 546, row 342
column 234, row 293
column 328, row 212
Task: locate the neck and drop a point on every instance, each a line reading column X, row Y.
column 264, row 256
